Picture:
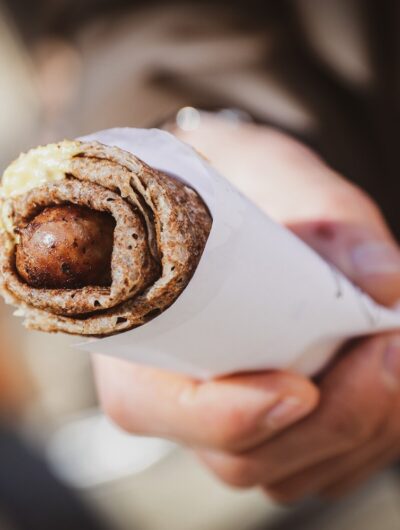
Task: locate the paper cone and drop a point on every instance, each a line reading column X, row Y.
column 259, row 299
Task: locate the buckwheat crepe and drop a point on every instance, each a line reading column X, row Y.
column 161, row 228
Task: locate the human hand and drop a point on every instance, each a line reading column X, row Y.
column 236, row 423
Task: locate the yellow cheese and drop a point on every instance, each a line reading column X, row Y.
column 39, row 166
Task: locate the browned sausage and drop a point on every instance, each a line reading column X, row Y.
column 65, row 247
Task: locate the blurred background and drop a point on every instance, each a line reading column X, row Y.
column 326, row 71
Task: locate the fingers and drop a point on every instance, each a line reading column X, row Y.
column 340, row 470
column 232, row 413
column 346, row 227
column 356, row 477
column 367, row 255
column 356, row 398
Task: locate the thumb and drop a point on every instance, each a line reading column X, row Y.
column 364, row 251
column 231, row 413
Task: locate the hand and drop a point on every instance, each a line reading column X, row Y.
column 240, row 425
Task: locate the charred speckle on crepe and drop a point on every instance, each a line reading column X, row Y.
column 66, row 247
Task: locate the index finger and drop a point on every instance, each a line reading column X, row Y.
column 356, row 396
column 230, row 413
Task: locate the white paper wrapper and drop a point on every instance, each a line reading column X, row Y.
column 259, row 299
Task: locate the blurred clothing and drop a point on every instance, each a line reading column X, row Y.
column 31, row 498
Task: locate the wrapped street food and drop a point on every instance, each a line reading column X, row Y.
column 130, row 226
column 93, row 240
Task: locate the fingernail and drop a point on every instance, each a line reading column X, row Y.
column 286, row 412
column 391, row 365
column 375, row 257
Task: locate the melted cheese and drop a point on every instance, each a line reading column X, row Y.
column 39, row 166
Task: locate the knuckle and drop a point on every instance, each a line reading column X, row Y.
column 349, row 426
column 231, row 431
column 224, row 425
column 237, row 473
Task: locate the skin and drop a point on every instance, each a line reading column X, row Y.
column 276, row 430
column 66, row 246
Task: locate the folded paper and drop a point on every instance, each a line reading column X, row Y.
column 259, row 299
